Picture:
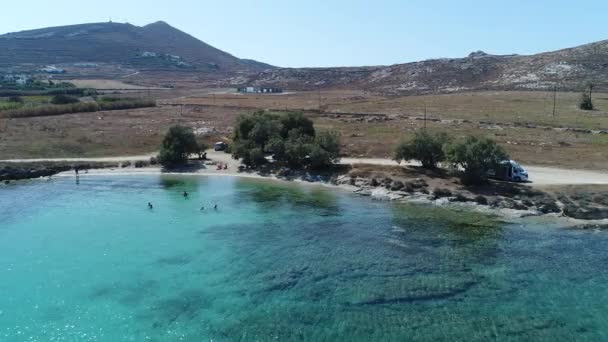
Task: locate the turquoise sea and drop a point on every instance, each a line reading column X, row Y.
column 283, row 262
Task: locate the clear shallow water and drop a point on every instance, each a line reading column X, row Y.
column 90, row 262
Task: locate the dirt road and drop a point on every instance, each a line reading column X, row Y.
column 539, row 176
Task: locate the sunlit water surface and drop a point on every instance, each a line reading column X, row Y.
column 90, row 262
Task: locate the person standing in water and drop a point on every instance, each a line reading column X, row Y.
column 150, row 206
column 202, row 208
column 215, row 207
column 185, row 194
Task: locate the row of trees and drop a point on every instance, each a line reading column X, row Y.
column 291, row 139
column 474, row 156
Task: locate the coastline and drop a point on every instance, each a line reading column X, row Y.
column 377, row 193
column 379, row 179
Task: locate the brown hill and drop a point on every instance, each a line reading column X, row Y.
column 157, row 46
column 566, row 69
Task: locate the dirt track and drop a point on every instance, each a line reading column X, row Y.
column 539, row 176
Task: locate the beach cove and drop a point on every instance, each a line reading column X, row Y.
column 89, row 261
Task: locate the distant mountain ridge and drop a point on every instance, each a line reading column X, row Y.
column 566, row 69
column 157, row 46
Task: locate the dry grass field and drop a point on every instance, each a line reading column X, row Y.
column 512, row 118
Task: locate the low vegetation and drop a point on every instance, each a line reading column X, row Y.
column 289, row 138
column 127, row 104
column 50, row 110
column 65, row 104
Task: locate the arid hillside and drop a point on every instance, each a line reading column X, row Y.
column 154, row 47
column 566, row 69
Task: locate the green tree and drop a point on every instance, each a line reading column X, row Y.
column 325, row 151
column 424, row 147
column 585, row 103
column 475, row 156
column 298, row 121
column 290, row 138
column 177, row 144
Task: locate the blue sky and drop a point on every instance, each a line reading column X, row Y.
column 342, row 33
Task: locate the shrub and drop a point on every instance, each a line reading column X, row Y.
column 62, row 99
column 585, row 103
column 153, row 161
column 475, row 156
column 425, row 147
column 177, row 144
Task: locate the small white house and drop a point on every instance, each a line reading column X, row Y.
column 52, row 70
column 21, row 80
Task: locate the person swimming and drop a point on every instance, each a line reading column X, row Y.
column 215, row 207
column 202, row 208
column 150, row 206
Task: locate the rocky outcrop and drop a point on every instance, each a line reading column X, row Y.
column 9, row 173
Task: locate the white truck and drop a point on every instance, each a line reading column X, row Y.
column 510, row 171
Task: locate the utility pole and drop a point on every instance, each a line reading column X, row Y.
column 319, row 96
column 554, row 99
column 425, row 116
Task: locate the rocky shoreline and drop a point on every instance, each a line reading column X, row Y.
column 520, row 201
column 22, row 171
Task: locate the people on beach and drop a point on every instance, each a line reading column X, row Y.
column 226, row 166
column 150, row 206
column 76, row 170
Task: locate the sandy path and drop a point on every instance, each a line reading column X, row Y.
column 539, row 176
